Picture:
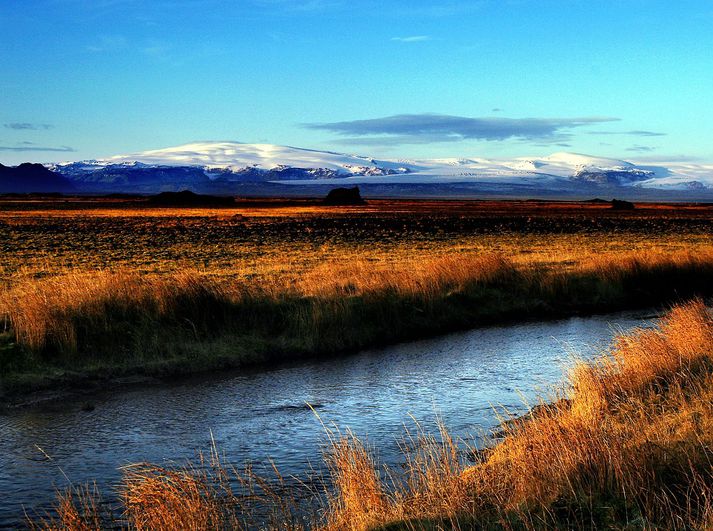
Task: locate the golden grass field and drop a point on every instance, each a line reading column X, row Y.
column 100, row 288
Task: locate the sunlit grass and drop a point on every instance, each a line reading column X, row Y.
column 116, row 322
column 276, row 243
column 101, row 288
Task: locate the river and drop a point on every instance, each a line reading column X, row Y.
column 257, row 415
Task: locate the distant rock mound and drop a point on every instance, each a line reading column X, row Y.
column 32, row 178
column 344, row 196
column 618, row 204
column 186, row 198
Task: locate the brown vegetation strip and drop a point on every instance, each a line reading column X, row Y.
column 114, row 323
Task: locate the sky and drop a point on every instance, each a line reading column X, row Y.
column 629, row 79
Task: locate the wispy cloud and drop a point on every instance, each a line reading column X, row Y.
column 298, row 5
column 156, row 49
column 645, row 133
column 422, row 128
column 25, row 147
column 25, row 126
column 628, row 133
column 439, row 9
column 688, row 159
column 641, row 149
column 108, row 43
column 551, row 144
column 412, row 38
column 391, row 140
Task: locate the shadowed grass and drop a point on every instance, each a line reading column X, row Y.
column 112, row 323
column 207, row 495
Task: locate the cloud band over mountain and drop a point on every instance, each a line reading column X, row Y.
column 415, row 128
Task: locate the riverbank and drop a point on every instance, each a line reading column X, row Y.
column 629, row 446
column 90, row 329
column 625, row 444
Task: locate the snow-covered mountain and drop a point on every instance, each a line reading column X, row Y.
column 236, row 156
column 221, row 166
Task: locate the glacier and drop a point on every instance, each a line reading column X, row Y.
column 222, row 165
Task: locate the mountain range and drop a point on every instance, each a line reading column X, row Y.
column 263, row 169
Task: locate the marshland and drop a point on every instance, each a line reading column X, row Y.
column 96, row 292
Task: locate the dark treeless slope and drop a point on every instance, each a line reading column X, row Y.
column 30, row 178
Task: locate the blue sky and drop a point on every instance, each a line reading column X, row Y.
column 492, row 78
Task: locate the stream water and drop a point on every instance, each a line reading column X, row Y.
column 255, row 416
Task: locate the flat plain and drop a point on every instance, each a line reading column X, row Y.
column 269, row 239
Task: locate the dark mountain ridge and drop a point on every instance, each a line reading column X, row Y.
column 32, row 178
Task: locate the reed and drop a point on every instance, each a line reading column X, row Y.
column 77, row 509
column 359, row 497
column 156, row 497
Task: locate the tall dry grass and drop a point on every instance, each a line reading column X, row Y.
column 189, row 321
column 207, row 495
column 154, row 496
column 49, row 312
column 424, row 279
column 360, row 495
column 44, row 312
column 77, row 509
